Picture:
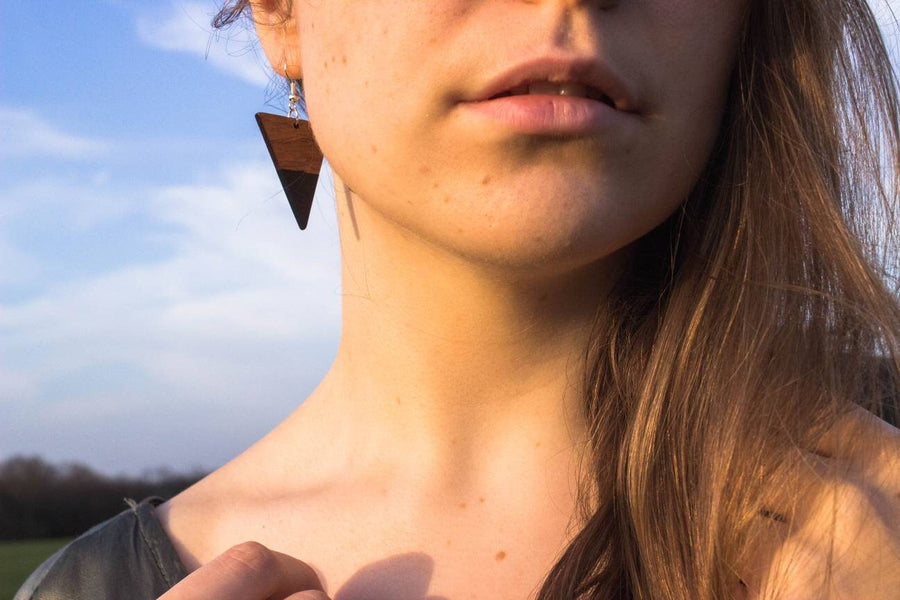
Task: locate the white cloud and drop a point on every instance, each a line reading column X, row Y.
column 26, row 135
column 18, row 268
column 887, row 12
column 185, row 27
column 187, row 358
column 81, row 205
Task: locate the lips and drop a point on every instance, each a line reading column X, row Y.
column 600, row 82
column 576, row 89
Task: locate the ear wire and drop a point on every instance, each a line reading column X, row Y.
column 293, row 99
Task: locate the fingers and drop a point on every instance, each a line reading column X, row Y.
column 249, row 571
column 308, row 595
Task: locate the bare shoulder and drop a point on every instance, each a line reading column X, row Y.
column 863, row 436
column 230, row 505
column 189, row 519
column 196, row 519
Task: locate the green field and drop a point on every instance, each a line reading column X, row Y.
column 19, row 559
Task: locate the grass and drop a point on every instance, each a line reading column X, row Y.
column 19, row 559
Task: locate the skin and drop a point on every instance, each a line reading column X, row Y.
column 439, row 456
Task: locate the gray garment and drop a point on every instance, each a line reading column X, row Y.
column 128, row 557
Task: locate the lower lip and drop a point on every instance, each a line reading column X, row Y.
column 542, row 114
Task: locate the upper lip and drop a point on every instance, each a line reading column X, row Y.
column 589, row 71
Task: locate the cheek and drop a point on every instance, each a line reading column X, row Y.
column 358, row 56
column 494, row 202
column 696, row 48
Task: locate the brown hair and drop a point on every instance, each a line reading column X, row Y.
column 749, row 321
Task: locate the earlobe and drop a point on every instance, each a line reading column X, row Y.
column 279, row 35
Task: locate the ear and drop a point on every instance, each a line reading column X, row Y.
column 278, row 35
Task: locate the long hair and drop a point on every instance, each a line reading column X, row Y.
column 751, row 320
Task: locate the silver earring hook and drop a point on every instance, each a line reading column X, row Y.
column 293, row 99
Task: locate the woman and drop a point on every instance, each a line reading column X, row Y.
column 612, row 316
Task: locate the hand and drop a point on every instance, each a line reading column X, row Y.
column 249, row 571
column 849, row 498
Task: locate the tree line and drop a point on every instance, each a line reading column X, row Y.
column 39, row 499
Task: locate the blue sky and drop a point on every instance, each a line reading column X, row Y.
column 158, row 305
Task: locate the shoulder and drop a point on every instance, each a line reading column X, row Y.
column 128, row 556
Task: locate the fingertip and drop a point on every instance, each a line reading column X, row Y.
column 309, row 595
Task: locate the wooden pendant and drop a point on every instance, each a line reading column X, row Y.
column 297, row 160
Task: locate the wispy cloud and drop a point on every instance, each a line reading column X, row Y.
column 887, row 12
column 185, row 358
column 185, row 27
column 26, row 135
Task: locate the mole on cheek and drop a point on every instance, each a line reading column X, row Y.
column 500, row 556
column 486, row 180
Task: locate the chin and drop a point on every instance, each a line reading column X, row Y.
column 540, row 230
column 532, row 247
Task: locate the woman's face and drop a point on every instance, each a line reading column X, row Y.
column 390, row 85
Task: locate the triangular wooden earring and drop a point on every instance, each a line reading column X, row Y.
column 296, row 155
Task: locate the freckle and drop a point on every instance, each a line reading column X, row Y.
column 448, row 543
column 486, row 180
column 500, row 556
column 325, row 64
column 398, row 400
column 366, row 83
column 344, row 59
column 374, row 149
column 481, row 499
column 462, row 504
column 435, row 185
column 424, row 169
column 459, row 230
column 537, row 445
column 446, row 199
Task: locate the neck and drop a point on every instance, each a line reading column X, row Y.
column 444, row 362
